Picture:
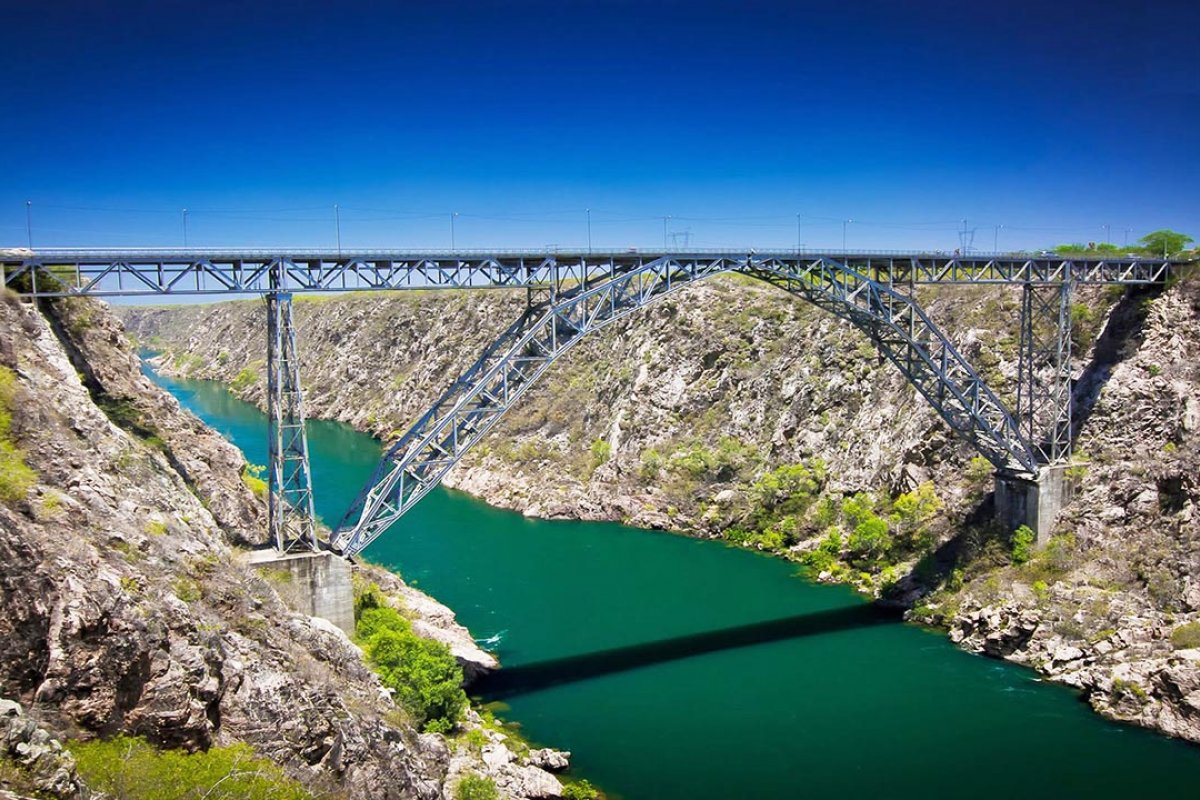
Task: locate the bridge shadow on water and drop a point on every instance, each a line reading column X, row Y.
column 511, row 681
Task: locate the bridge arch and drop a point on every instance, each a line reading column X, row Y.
column 464, row 414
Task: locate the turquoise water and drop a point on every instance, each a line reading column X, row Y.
column 675, row 668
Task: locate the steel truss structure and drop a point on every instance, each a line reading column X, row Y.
column 290, row 516
column 572, row 294
column 569, row 309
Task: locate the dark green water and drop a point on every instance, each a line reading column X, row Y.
column 843, row 705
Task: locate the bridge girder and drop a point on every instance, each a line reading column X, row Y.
column 892, row 319
column 151, row 273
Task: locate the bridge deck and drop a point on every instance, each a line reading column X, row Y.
column 151, row 272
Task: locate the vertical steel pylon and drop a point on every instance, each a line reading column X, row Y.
column 1044, row 372
column 290, row 513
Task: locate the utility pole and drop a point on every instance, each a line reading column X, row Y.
column 185, row 228
column 337, row 221
column 589, row 220
column 29, row 222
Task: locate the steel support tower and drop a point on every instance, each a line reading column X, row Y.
column 290, row 516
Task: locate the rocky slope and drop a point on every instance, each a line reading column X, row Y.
column 125, row 605
column 732, row 410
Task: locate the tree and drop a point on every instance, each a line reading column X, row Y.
column 1165, row 242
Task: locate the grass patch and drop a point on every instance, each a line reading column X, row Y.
column 130, row 768
column 252, row 477
column 476, row 787
column 16, row 477
column 1186, row 636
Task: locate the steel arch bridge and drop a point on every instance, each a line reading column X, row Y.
column 570, row 295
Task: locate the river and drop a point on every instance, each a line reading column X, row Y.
column 679, row 669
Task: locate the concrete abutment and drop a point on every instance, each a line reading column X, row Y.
column 1034, row 500
column 319, row 584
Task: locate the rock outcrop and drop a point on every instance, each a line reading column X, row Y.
column 124, row 607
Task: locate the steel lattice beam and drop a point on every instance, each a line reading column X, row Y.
column 900, row 329
column 149, row 273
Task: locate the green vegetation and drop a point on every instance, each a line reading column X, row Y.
column 186, row 589
column 476, row 787
column 601, row 451
column 425, row 677
column 16, row 477
column 155, row 527
column 1023, row 540
column 1186, row 636
column 1163, row 243
column 244, row 380
column 580, row 790
column 252, row 477
column 129, row 768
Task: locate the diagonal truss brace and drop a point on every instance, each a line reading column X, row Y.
column 290, row 516
column 465, row 413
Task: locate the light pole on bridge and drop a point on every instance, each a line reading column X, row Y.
column 845, row 222
column 337, row 221
column 589, row 221
column 1107, row 232
column 453, row 216
column 29, row 222
column 184, row 227
column 996, row 239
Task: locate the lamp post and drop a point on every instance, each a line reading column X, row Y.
column 453, row 216
column 184, row 227
column 798, row 236
column 845, row 222
column 337, row 221
column 1107, row 232
column 589, row 221
column 666, row 219
column 996, row 239
column 29, row 222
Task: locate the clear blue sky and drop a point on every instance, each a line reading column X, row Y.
column 1051, row 118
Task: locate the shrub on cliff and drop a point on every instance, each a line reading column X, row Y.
column 425, row 677
column 130, row 768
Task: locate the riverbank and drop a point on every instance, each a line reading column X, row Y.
column 697, row 416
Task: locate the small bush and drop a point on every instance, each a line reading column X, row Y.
column 244, row 380
column 1186, row 636
column 476, row 787
column 1023, row 541
column 580, row 790
column 601, row 451
column 252, row 477
column 425, row 677
column 129, row 768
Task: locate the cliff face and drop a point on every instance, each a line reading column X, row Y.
column 124, row 604
column 732, row 409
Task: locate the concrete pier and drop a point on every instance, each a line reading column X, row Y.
column 1033, row 500
column 317, row 584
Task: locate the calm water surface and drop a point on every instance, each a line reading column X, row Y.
column 647, row 656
